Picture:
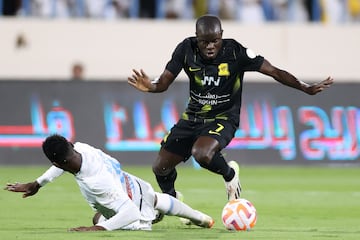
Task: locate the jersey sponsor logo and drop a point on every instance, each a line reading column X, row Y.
column 191, row 69
column 207, row 102
column 223, row 69
column 210, row 80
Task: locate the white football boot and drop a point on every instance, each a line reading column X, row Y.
column 206, row 222
column 233, row 188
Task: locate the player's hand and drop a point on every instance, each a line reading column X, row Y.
column 28, row 189
column 87, row 229
column 315, row 88
column 140, row 81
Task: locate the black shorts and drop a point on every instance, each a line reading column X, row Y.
column 184, row 133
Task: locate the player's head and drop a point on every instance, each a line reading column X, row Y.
column 57, row 149
column 209, row 35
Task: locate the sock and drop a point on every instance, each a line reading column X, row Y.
column 219, row 165
column 173, row 207
column 167, row 183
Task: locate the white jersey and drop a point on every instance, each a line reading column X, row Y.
column 126, row 201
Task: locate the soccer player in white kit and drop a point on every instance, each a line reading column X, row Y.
column 120, row 199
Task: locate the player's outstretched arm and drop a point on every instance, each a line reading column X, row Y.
column 288, row 79
column 28, row 189
column 315, row 88
column 142, row 82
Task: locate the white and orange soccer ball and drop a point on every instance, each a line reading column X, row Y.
column 239, row 215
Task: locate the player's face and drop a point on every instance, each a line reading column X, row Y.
column 209, row 44
column 72, row 158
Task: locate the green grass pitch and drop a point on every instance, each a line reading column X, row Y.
column 292, row 203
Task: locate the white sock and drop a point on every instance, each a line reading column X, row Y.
column 173, row 207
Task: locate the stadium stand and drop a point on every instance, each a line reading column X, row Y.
column 327, row 11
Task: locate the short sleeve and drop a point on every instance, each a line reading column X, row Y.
column 175, row 64
column 250, row 60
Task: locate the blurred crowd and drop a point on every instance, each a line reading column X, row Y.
column 247, row 11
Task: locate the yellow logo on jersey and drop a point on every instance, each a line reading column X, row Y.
column 223, row 69
column 194, row 69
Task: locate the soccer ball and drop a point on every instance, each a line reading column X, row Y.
column 239, row 215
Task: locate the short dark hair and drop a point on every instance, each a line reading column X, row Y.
column 56, row 148
column 208, row 23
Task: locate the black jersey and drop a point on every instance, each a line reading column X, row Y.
column 215, row 85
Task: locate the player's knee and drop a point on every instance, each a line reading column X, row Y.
column 160, row 170
column 202, row 156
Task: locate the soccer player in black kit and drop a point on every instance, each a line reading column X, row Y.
column 215, row 68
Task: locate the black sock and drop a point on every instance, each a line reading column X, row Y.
column 167, row 183
column 219, row 165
